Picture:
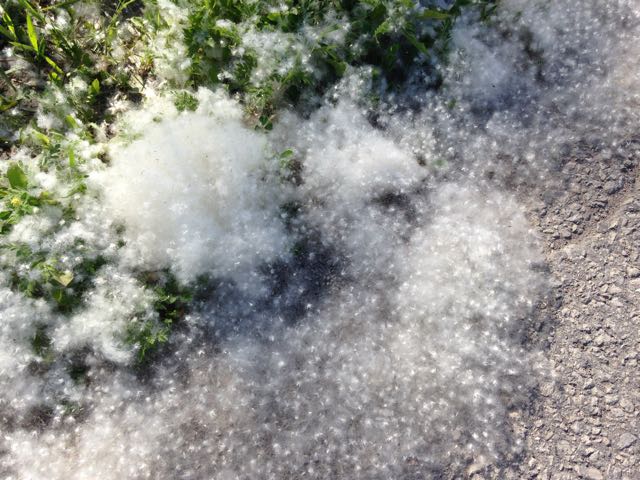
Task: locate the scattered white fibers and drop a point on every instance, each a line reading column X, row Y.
column 116, row 300
column 409, row 352
column 192, row 193
column 371, row 384
column 16, row 331
column 519, row 93
column 116, row 442
column 170, row 56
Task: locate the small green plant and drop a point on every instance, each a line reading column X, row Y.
column 73, row 73
column 45, row 278
column 170, row 305
column 184, row 101
column 79, row 48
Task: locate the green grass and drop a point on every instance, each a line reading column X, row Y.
column 391, row 37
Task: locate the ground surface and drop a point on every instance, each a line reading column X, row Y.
column 581, row 421
column 584, row 421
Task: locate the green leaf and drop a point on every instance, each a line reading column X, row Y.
column 384, row 27
column 54, row 65
column 288, row 153
column 41, row 48
column 71, row 121
column 7, row 104
column 31, row 31
column 10, row 31
column 421, row 47
column 17, row 177
column 265, row 122
column 58, row 295
column 64, row 278
column 434, row 15
column 23, row 46
column 95, row 86
column 45, row 140
column 7, row 33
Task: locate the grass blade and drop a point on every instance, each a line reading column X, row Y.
column 31, row 32
column 10, row 30
column 434, row 15
column 54, row 65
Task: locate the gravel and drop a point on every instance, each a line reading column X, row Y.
column 582, row 429
column 583, row 420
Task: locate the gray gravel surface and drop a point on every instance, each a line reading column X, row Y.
column 583, row 421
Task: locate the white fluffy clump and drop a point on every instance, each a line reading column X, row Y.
column 189, row 190
column 30, row 230
column 345, row 159
column 276, row 52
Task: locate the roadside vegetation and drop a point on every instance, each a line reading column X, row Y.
column 70, row 69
